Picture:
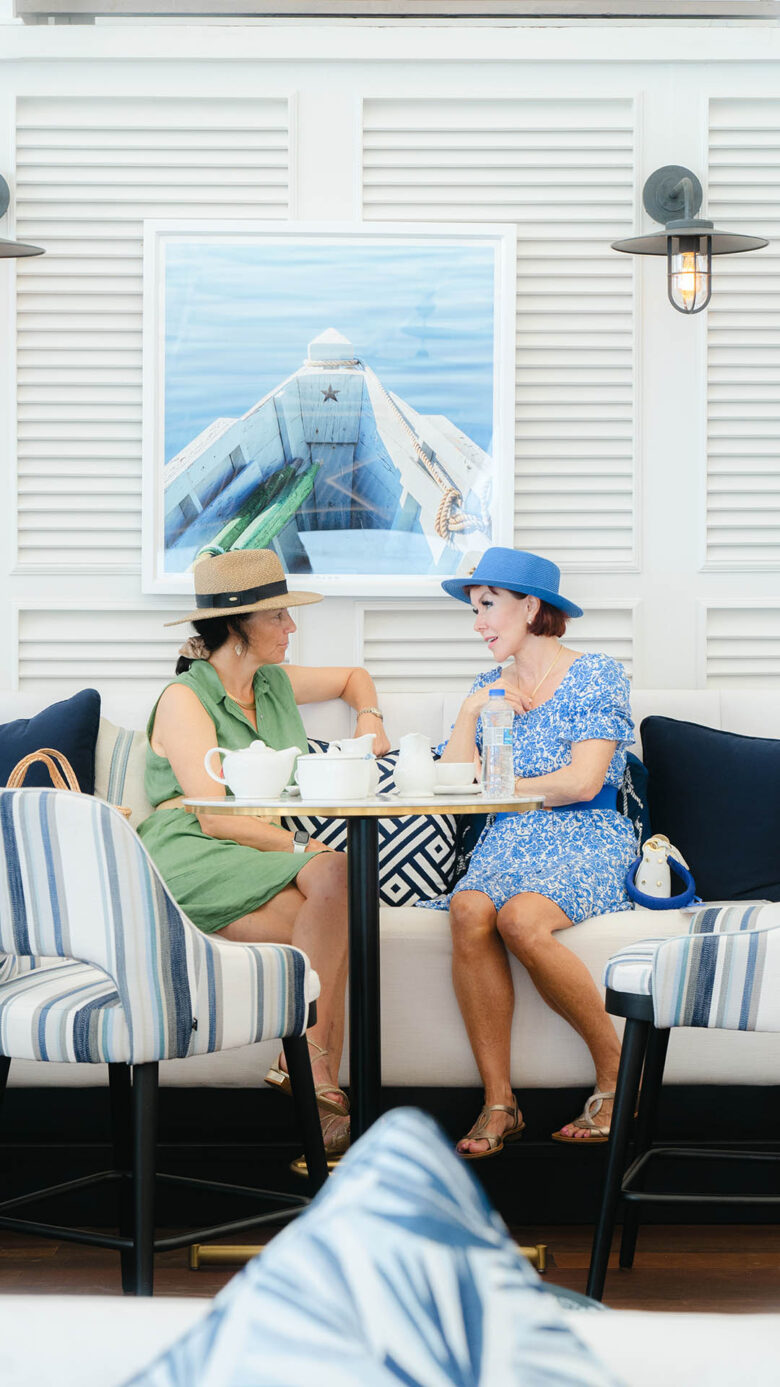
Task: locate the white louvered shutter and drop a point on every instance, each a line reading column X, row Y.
column 743, row 646
column 563, row 172
column 743, row 455
column 88, row 172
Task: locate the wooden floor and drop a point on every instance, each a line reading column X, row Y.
column 733, row 1269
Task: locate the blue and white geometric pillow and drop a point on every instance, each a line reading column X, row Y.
column 416, row 854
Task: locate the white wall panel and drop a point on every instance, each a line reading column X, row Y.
column 743, row 646
column 563, row 171
column 89, row 170
column 431, row 645
column 112, row 647
column 743, row 477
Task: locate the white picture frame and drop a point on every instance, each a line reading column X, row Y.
column 433, row 306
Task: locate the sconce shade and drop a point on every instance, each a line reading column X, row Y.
column 13, row 249
column 723, row 242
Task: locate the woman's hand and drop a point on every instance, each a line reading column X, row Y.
column 367, row 722
column 519, row 702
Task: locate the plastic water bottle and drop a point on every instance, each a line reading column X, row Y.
column 498, row 771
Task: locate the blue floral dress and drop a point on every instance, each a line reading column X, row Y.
column 578, row 859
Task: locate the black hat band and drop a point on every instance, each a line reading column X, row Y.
column 241, row 599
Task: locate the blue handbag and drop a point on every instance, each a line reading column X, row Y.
column 648, row 879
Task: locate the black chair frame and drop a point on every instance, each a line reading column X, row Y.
column 134, row 1103
column 642, row 1060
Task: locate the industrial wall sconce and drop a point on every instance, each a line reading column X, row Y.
column 673, row 195
column 9, row 249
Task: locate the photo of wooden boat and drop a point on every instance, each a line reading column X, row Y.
column 335, row 472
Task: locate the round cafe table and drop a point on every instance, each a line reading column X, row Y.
column 362, row 815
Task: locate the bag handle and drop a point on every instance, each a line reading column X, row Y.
column 63, row 776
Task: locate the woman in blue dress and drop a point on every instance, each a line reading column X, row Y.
column 534, row 875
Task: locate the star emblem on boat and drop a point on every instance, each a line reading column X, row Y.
column 329, row 394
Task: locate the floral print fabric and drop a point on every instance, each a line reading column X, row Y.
column 579, row 858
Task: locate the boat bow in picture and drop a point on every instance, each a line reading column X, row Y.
column 336, row 473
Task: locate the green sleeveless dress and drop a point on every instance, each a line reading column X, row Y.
column 215, row 880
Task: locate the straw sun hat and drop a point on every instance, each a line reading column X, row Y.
column 243, row 580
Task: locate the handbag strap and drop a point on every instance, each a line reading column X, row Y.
column 63, row 776
column 662, row 902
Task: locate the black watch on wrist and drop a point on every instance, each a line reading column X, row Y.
column 300, row 841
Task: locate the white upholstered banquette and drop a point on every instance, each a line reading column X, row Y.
column 424, row 1042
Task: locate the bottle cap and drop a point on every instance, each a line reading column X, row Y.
column 496, row 693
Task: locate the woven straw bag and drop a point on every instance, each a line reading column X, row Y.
column 61, row 772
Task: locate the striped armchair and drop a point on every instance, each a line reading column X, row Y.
column 99, row 965
column 724, row 974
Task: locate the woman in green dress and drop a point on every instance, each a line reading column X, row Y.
column 244, row 878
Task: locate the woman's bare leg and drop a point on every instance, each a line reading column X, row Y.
column 312, row 916
column 483, row 987
column 528, row 924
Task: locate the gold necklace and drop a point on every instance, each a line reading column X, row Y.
column 238, row 700
column 549, row 670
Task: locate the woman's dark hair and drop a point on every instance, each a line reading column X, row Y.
column 214, row 631
column 549, row 621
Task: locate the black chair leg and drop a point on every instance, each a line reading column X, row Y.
column 631, row 1057
column 296, row 1052
column 144, row 1151
column 652, row 1079
column 5, row 1065
column 120, row 1093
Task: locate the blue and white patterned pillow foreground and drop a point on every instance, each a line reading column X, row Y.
column 417, row 855
column 399, row 1273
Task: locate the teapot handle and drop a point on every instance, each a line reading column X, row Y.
column 220, row 779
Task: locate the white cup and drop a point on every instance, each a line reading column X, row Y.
column 455, row 773
column 334, row 777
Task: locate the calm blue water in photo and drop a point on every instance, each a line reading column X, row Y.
column 239, row 320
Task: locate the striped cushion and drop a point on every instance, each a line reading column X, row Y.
column 77, row 883
column 724, row 974
column 68, row 1011
column 120, row 762
column 632, row 969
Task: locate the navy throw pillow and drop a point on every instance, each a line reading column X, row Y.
column 716, row 795
column 70, row 727
column 632, row 797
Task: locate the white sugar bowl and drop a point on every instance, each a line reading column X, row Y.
column 334, row 777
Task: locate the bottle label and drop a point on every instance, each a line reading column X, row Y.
column 498, row 736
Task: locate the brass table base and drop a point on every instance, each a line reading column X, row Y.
column 229, row 1254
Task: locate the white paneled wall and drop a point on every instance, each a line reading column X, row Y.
column 743, row 475
column 562, row 170
column 89, row 169
column 646, row 444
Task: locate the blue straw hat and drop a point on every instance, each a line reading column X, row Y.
column 519, row 572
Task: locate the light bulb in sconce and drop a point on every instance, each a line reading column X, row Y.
column 689, row 272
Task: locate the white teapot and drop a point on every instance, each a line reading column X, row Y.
column 256, row 772
column 362, row 747
column 415, row 771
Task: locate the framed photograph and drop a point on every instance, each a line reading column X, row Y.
column 341, row 394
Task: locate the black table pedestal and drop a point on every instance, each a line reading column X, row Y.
column 365, row 1057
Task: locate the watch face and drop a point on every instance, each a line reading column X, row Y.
column 301, row 838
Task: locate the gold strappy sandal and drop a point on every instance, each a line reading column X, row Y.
column 596, row 1135
column 495, row 1144
column 277, row 1078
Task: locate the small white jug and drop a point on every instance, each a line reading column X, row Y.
column 415, row 771
column 362, row 747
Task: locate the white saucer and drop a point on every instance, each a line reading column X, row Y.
column 472, row 789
